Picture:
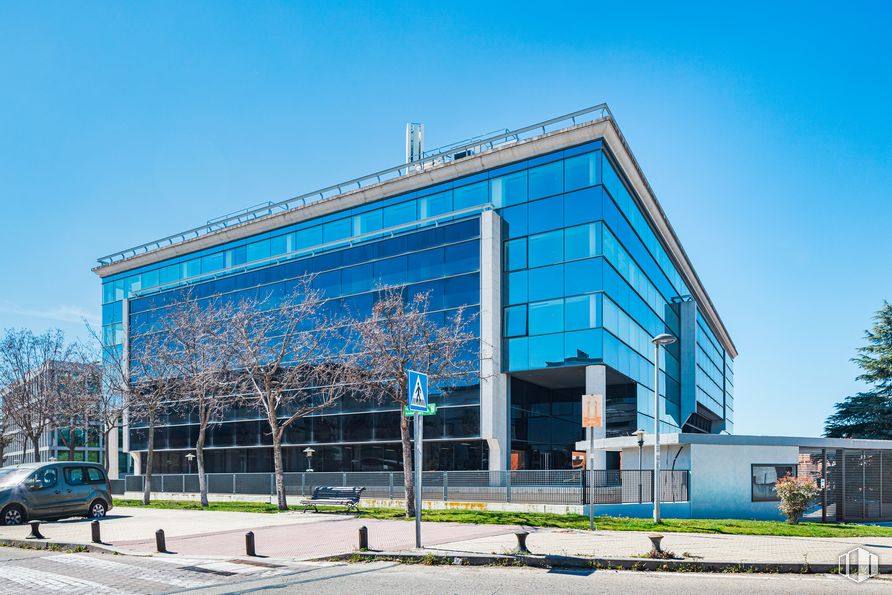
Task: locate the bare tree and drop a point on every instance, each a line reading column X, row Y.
column 32, row 388
column 5, row 439
column 400, row 335
column 289, row 362
column 151, row 386
column 198, row 348
column 113, row 387
column 76, row 405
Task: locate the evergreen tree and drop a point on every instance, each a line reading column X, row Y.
column 869, row 414
column 876, row 357
column 865, row 415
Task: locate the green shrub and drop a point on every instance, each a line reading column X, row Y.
column 795, row 494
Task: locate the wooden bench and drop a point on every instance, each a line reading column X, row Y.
column 333, row 496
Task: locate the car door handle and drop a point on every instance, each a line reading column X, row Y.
column 67, row 491
column 57, row 492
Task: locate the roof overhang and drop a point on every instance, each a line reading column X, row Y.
column 622, row 442
column 604, row 129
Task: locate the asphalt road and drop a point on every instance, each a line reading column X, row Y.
column 25, row 571
column 388, row 578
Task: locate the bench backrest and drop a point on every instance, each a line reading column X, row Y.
column 336, row 493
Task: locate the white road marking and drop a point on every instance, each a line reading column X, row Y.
column 155, row 575
column 237, row 568
column 223, row 566
column 40, row 581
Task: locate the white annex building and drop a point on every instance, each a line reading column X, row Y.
column 733, row 476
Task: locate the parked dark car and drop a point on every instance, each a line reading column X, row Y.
column 54, row 490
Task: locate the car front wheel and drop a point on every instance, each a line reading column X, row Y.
column 97, row 509
column 12, row 515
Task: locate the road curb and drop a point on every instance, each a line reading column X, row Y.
column 648, row 564
column 48, row 544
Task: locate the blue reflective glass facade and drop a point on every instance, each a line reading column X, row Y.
column 584, row 279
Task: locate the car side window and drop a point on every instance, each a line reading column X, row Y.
column 74, row 476
column 94, row 475
column 44, row 478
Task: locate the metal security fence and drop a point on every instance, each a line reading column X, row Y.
column 855, row 485
column 526, row 487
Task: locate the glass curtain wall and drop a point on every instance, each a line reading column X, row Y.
column 443, row 262
column 585, row 278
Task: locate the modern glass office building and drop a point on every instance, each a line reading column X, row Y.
column 550, row 233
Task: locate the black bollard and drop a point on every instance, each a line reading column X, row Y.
column 160, row 544
column 655, row 539
column 94, row 532
column 363, row 538
column 35, row 531
column 249, row 544
column 521, row 542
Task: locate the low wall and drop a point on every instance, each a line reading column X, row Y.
column 375, row 502
column 678, row 510
column 668, row 510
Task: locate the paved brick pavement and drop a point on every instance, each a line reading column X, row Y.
column 322, row 538
column 623, row 544
column 133, row 524
column 24, row 571
column 299, row 536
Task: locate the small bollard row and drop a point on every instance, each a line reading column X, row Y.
column 522, row 542
column 655, row 540
column 161, row 543
column 95, row 535
column 35, row 530
column 161, row 539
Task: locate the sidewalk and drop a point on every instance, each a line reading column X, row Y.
column 307, row 536
column 627, row 544
column 287, row 535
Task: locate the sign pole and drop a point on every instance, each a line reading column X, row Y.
column 591, row 458
column 417, row 405
column 419, row 429
column 592, row 418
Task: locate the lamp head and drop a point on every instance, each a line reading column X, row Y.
column 663, row 339
column 639, row 433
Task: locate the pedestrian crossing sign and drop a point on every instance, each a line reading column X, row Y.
column 417, row 391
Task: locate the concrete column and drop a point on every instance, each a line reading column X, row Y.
column 596, row 384
column 137, row 467
column 493, row 383
column 125, row 416
column 113, row 447
column 688, row 364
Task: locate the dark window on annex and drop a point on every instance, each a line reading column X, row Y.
column 764, row 478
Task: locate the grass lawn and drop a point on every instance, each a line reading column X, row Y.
column 566, row 521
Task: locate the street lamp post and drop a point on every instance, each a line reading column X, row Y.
column 663, row 339
column 309, row 452
column 639, row 433
column 190, row 457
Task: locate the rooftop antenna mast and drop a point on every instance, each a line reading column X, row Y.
column 414, row 142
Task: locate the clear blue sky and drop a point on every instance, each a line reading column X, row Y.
column 765, row 133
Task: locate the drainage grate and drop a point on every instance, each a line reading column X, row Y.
column 256, row 563
column 207, row 570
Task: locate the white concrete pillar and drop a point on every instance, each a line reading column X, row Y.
column 688, row 363
column 125, row 415
column 493, row 383
column 113, row 467
column 137, row 467
column 596, row 384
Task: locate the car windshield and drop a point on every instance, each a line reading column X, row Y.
column 9, row 477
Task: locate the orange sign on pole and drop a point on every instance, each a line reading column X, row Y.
column 592, row 411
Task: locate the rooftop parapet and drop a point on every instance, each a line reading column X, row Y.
column 430, row 159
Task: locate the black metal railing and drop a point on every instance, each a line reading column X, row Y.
column 527, row 486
